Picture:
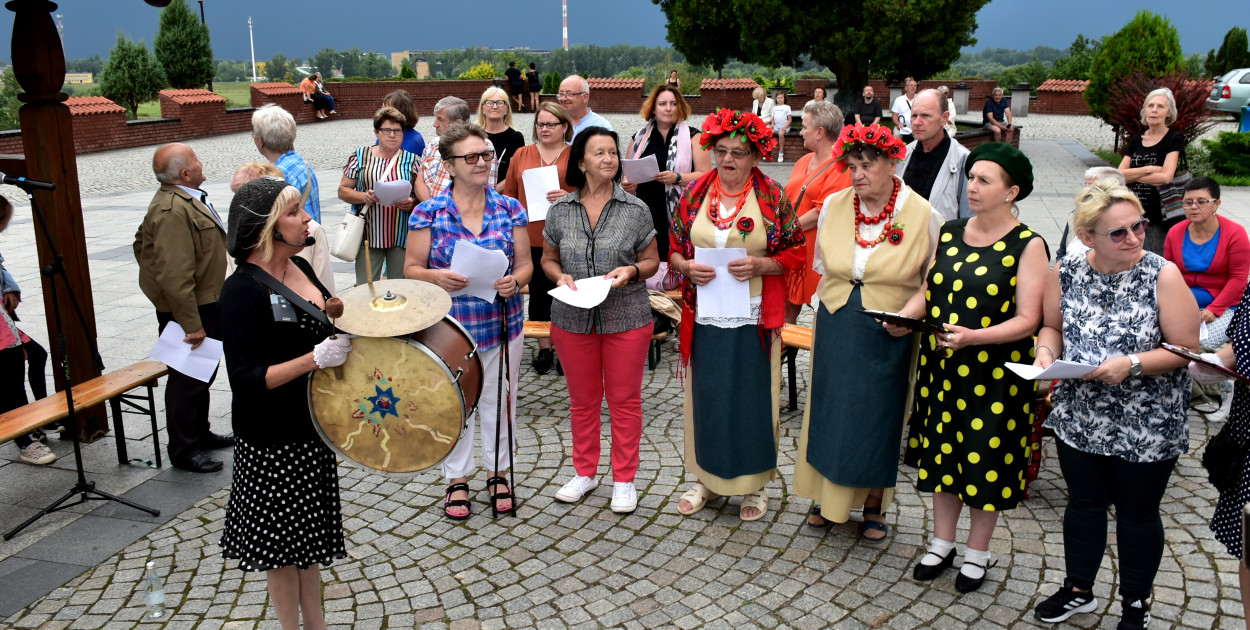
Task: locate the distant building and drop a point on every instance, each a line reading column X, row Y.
column 421, row 66
column 79, row 77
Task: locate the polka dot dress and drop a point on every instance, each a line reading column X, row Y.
column 1226, row 523
column 974, row 440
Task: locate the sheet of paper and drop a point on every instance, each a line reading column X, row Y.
column 591, row 292
column 724, row 296
column 642, row 170
column 198, row 363
column 1203, row 332
column 539, row 182
column 480, row 266
column 391, row 193
column 1057, row 370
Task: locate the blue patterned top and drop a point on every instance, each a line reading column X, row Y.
column 1144, row 418
column 442, row 218
column 297, row 173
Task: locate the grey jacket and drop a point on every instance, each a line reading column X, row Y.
column 950, row 189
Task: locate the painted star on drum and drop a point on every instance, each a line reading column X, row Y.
column 383, row 403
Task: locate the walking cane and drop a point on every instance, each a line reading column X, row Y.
column 505, row 378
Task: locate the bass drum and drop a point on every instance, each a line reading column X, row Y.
column 450, row 341
column 395, row 406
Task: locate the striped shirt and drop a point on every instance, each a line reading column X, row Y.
column 442, row 218
column 297, row 173
column 385, row 226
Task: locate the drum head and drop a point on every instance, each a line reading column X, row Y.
column 392, row 407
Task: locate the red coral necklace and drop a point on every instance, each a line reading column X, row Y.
column 887, row 214
column 724, row 223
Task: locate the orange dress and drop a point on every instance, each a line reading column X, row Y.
column 832, row 180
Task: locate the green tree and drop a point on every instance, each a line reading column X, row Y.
column 182, row 47
column 1194, row 66
column 1075, row 64
column 483, row 70
column 1034, row 73
column 406, row 71
column 351, row 63
column 1234, row 53
column 233, row 70
column 93, row 64
column 870, row 37
column 277, row 67
column 131, row 75
column 1148, row 44
column 376, row 66
column 324, row 61
column 8, row 100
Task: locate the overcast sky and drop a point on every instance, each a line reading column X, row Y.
column 300, row 27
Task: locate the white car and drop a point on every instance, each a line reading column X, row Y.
column 1231, row 92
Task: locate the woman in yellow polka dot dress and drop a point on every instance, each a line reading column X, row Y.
column 985, row 288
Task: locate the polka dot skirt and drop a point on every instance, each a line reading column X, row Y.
column 284, row 507
column 1226, row 523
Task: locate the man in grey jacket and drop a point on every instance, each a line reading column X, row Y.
column 934, row 166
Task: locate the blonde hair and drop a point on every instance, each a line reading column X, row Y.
column 265, row 242
column 500, row 95
column 249, row 171
column 1094, row 199
column 555, row 109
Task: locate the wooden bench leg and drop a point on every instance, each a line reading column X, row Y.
column 791, row 370
column 119, row 431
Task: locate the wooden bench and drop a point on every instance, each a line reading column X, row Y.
column 800, row 337
column 113, row 387
column 542, row 330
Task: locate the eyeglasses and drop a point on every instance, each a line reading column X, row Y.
column 1119, row 234
column 390, row 131
column 472, row 158
column 568, row 94
column 547, row 125
column 1197, row 203
column 737, row 155
column 494, row 103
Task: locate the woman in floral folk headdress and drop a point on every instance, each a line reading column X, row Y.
column 874, row 243
column 733, row 363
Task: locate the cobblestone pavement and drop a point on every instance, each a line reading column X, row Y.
column 554, row 565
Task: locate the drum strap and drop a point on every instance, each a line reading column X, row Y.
column 263, row 277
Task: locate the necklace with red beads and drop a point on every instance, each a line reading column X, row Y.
column 724, row 223
column 886, row 214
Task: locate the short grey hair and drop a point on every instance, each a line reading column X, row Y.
column 997, row 90
column 1100, row 173
column 943, row 89
column 1171, row 100
column 173, row 169
column 457, row 109
column 275, row 127
column 758, row 92
column 825, row 115
column 943, row 104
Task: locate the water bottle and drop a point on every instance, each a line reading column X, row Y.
column 154, row 591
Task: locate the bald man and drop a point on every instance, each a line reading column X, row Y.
column 181, row 250
column 574, row 97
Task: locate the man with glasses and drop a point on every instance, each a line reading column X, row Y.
column 574, row 97
column 435, row 179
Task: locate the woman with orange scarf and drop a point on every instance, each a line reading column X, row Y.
column 733, row 378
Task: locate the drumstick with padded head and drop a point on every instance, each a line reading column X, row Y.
column 334, row 310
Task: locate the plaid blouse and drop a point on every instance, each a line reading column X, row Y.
column 442, row 218
column 384, row 225
column 297, row 173
column 438, row 179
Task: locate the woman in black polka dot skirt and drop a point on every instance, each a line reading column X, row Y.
column 284, row 516
column 985, row 289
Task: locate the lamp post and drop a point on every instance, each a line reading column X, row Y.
column 253, row 44
column 210, row 79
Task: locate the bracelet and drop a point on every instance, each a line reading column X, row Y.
column 637, row 274
column 1042, row 345
column 678, row 180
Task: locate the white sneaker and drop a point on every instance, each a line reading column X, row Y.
column 624, row 497
column 38, row 454
column 576, row 488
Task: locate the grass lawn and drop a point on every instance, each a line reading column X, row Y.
column 236, row 93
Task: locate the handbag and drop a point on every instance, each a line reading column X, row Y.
column 352, row 227
column 1223, row 458
column 1172, row 194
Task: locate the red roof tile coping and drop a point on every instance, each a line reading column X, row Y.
column 275, row 89
column 1061, row 85
column 728, row 84
column 617, row 84
column 193, row 97
column 86, row 105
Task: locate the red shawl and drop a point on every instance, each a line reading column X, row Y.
column 785, row 245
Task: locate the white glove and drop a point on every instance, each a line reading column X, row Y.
column 332, row 352
column 1206, row 374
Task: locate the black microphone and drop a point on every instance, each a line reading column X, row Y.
column 309, row 241
column 27, row 183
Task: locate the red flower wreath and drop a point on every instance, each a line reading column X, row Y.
column 874, row 135
column 744, row 126
column 745, row 225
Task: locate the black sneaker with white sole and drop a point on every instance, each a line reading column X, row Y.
column 1064, row 604
column 1135, row 616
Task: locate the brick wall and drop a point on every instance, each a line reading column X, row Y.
column 1048, row 102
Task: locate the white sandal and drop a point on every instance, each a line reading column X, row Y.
column 697, row 497
column 757, row 500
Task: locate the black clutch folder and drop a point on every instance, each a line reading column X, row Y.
column 911, row 323
column 1177, row 350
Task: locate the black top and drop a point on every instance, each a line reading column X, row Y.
column 252, row 342
column 514, row 76
column 1154, row 155
column 997, row 110
column 534, row 84
column 867, row 111
column 506, row 143
column 654, row 193
column 923, row 168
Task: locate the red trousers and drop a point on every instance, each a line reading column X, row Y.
column 598, row 366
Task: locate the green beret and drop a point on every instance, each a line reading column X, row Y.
column 1010, row 158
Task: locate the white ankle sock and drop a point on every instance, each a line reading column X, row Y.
column 970, row 569
column 939, row 547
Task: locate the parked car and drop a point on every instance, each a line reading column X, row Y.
column 1231, row 92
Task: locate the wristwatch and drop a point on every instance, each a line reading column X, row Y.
column 1134, row 368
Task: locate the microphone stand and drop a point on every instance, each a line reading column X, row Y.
column 85, row 490
column 505, row 378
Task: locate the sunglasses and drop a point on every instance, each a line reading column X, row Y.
column 1119, row 234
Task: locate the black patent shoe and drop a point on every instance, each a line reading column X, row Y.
column 927, row 572
column 965, row 584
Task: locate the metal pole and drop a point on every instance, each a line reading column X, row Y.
column 253, row 44
column 202, row 23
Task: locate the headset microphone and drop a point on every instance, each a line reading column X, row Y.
column 309, row 241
